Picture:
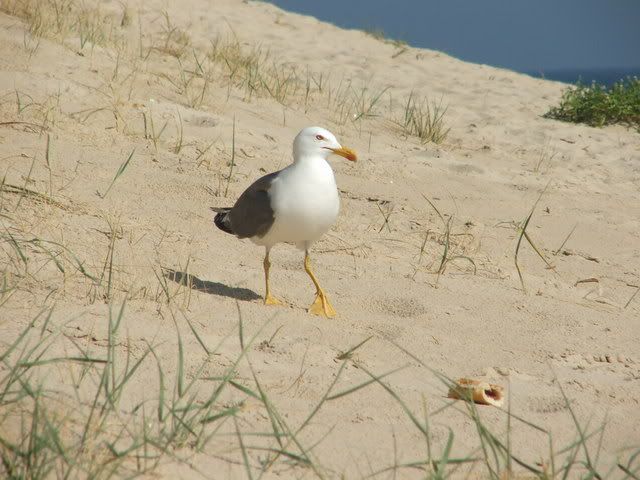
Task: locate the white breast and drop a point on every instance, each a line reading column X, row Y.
column 305, row 201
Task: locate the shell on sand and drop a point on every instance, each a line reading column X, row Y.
column 484, row 393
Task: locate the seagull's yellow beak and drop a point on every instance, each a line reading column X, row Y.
column 345, row 152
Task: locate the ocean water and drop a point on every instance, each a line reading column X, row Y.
column 604, row 76
column 567, row 40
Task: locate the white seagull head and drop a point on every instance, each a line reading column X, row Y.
column 319, row 142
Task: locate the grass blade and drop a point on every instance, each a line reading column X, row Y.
column 120, row 171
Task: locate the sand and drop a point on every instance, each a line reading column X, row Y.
column 75, row 106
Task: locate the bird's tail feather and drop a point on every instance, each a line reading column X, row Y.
column 221, row 219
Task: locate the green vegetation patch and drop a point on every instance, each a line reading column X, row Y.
column 597, row 105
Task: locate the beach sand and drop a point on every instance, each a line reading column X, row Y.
column 161, row 84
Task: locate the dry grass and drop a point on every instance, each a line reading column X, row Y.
column 65, row 19
column 72, row 414
column 249, row 70
column 521, row 228
column 424, row 119
column 457, row 246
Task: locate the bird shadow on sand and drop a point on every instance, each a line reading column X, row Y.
column 212, row 288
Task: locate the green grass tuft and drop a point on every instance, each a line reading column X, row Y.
column 424, row 119
column 597, row 105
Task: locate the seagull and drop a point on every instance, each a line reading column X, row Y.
column 297, row 204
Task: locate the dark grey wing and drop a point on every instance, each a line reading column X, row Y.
column 252, row 215
column 221, row 221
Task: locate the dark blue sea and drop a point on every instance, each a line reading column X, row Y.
column 563, row 40
column 604, row 76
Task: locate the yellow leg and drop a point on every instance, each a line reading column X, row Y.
column 268, row 299
column 321, row 305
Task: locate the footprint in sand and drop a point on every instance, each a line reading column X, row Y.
column 402, row 307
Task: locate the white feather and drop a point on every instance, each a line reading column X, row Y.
column 304, row 196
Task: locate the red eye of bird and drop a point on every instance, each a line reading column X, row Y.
column 319, row 137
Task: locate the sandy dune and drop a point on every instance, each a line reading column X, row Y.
column 166, row 81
